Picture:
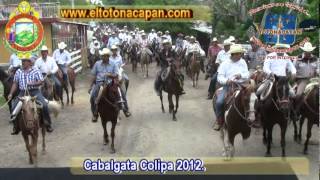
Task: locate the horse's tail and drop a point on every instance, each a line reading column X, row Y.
column 54, row 107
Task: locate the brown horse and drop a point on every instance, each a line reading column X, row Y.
column 309, row 110
column 258, row 76
column 239, row 115
column 48, row 88
column 171, row 86
column 134, row 57
column 65, row 84
column 145, row 60
column 30, row 120
column 275, row 110
column 194, row 69
column 6, row 83
column 93, row 58
column 108, row 108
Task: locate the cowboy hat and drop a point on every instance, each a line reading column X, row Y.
column 279, row 45
column 192, row 37
column 180, row 34
column 44, row 48
column 105, row 51
column 152, row 30
column 227, row 42
column 236, row 48
column 94, row 38
column 167, row 31
column 231, row 38
column 307, row 47
column 143, row 34
column 165, row 41
column 214, row 39
column 62, row 45
column 114, row 47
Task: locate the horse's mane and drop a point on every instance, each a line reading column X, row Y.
column 3, row 74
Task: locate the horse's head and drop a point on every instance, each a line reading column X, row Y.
column 29, row 111
column 281, row 90
column 111, row 92
column 246, row 97
column 3, row 74
column 258, row 76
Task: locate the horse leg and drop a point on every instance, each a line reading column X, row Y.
column 283, row 130
column 147, row 66
column 230, row 140
column 295, row 136
column 171, row 106
column 72, row 84
column 300, row 128
column 264, row 136
column 309, row 128
column 105, row 133
column 225, row 148
column 269, row 138
column 113, row 150
column 33, row 148
column 197, row 79
column 26, row 141
column 161, row 98
column 177, row 103
column 67, row 92
column 43, row 133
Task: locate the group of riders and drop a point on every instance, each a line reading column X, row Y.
column 226, row 65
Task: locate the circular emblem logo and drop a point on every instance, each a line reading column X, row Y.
column 24, row 31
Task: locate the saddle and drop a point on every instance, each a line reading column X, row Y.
column 228, row 97
column 313, row 82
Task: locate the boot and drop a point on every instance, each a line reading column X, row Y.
column 15, row 129
column 49, row 128
column 219, row 123
column 210, row 96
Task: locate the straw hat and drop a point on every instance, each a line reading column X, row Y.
column 165, row 41
column 105, row 51
column 62, row 45
column 227, row 42
column 279, row 45
column 307, row 47
column 214, row 39
column 44, row 48
column 114, row 47
column 236, row 48
column 231, row 38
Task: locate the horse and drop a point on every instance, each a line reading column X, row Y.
column 29, row 121
column 134, row 57
column 171, row 86
column 194, row 70
column 258, row 76
column 48, row 89
column 145, row 60
column 239, row 115
column 275, row 110
column 6, row 83
column 93, row 57
column 72, row 79
column 108, row 108
column 309, row 110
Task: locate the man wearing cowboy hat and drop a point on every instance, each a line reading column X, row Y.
column 14, row 64
column 29, row 79
column 307, row 67
column 102, row 72
column 168, row 36
column 48, row 67
column 179, row 41
column 152, row 36
column 255, row 56
column 62, row 58
column 194, row 47
column 234, row 69
column 113, row 40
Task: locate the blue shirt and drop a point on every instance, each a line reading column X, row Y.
column 100, row 69
column 117, row 60
column 113, row 41
column 24, row 77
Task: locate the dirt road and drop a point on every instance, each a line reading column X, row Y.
column 148, row 132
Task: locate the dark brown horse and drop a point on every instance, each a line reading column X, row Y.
column 93, row 58
column 275, row 110
column 30, row 120
column 65, row 84
column 171, row 86
column 6, row 83
column 309, row 110
column 47, row 88
column 239, row 115
column 134, row 57
column 108, row 108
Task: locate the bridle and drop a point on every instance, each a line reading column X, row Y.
column 278, row 101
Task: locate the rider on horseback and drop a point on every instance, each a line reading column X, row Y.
column 62, row 58
column 194, row 47
column 116, row 59
column 14, row 65
column 28, row 80
column 167, row 53
column 231, row 70
column 307, row 68
column 255, row 56
column 102, row 72
column 48, row 67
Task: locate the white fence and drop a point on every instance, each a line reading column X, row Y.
column 76, row 61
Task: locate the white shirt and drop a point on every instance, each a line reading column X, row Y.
column 222, row 56
column 49, row 66
column 274, row 64
column 62, row 58
column 152, row 36
column 168, row 37
column 193, row 47
column 14, row 61
column 228, row 69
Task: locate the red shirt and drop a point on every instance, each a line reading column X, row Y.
column 214, row 50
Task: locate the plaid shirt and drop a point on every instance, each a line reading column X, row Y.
column 24, row 77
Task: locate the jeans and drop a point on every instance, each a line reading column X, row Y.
column 220, row 102
column 64, row 70
column 213, row 83
column 124, row 98
column 41, row 99
column 93, row 96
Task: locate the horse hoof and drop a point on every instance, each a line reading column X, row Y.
column 174, row 119
column 268, row 155
column 113, row 151
column 44, row 152
column 305, row 152
column 106, row 142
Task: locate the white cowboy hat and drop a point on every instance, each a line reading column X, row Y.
column 231, row 38
column 214, row 39
column 227, row 42
column 113, row 47
column 279, row 45
column 152, row 30
column 165, row 41
column 251, row 39
column 143, row 34
column 44, row 48
column 192, row 37
column 105, row 51
column 236, row 48
column 307, row 47
column 62, row 45
column 94, row 38
column 167, row 31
